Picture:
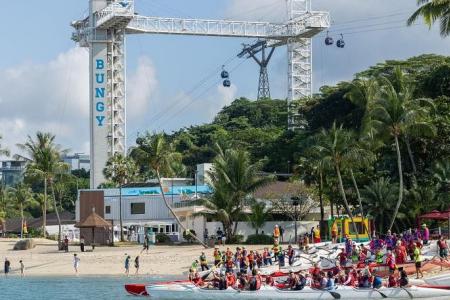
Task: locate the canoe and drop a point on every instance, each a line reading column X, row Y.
column 188, row 291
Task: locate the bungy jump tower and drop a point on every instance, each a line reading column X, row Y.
column 104, row 32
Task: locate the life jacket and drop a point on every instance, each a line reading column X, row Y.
column 276, row 232
column 291, row 252
column 231, row 280
column 229, row 263
column 379, row 257
column 229, row 254
column 251, row 258
column 276, row 249
column 217, row 255
column 255, row 283
column 203, row 259
column 391, row 281
column 316, row 233
column 442, row 245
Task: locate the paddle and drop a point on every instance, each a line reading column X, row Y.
column 382, row 294
column 213, row 268
column 409, row 294
column 335, row 295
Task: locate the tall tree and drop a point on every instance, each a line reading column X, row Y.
column 120, row 169
column 44, row 157
column 258, row 216
column 234, row 169
column 23, row 198
column 432, row 11
column 158, row 155
column 397, row 112
column 5, row 205
column 334, row 147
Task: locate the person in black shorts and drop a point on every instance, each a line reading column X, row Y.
column 7, row 267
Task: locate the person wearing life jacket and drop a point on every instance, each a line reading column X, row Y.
column 276, row 249
column 203, row 262
column 244, row 251
column 294, row 283
column 197, row 280
column 377, row 281
column 290, row 253
column 228, row 254
column 348, row 246
column 315, row 272
column 334, row 232
column 254, row 281
column 330, row 281
column 276, row 234
column 349, row 278
column 237, row 256
column 223, row 283
column 316, row 233
column 418, row 261
column 403, row 281
column 390, row 261
column 411, row 247
column 251, row 260
column 281, row 262
column 355, row 254
column 242, row 281
column 217, row 257
column 270, row 281
column 229, row 264
column 442, row 247
column 425, row 234
column 231, row 279
column 243, row 263
column 258, row 259
column 400, row 253
column 392, row 281
column 389, row 241
column 342, row 258
column 379, row 256
column 267, row 259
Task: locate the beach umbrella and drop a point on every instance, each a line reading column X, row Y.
column 93, row 221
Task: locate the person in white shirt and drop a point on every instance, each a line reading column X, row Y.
column 76, row 263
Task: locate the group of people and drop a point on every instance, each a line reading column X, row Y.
column 7, row 267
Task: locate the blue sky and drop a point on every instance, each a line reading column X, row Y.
column 45, row 76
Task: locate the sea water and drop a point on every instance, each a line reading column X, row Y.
column 70, row 288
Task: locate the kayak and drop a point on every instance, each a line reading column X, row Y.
column 189, row 291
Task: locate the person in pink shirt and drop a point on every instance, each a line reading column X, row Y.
column 425, row 234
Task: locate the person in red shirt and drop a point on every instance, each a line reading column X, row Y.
column 392, row 281
column 251, row 260
column 400, row 253
column 342, row 258
column 231, row 279
column 349, row 278
column 315, row 272
column 228, row 253
column 390, row 261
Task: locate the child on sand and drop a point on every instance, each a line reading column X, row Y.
column 76, row 263
column 136, row 264
column 22, row 268
column 127, row 265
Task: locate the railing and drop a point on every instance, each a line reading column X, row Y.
column 116, row 9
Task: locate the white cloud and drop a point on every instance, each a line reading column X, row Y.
column 141, row 87
column 54, row 97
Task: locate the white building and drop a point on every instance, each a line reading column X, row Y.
column 77, row 161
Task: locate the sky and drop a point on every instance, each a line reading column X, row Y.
column 173, row 81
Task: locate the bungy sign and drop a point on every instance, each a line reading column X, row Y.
column 99, row 91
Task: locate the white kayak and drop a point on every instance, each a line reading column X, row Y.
column 188, row 291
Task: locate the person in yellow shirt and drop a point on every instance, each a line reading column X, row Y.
column 316, row 233
column 418, row 260
column 334, row 232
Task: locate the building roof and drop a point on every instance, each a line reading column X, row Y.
column 14, row 224
column 276, row 190
column 93, row 221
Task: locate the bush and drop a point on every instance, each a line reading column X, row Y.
column 259, row 239
column 189, row 237
column 236, row 239
column 162, row 238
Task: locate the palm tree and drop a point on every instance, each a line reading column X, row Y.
column 258, row 216
column 5, row 204
column 396, row 112
column 431, row 11
column 23, row 198
column 157, row 154
column 334, row 148
column 378, row 197
column 120, row 169
column 234, row 170
column 44, row 158
column 3, row 151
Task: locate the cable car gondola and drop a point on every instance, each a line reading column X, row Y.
column 224, row 73
column 340, row 43
column 226, row 83
column 329, row 40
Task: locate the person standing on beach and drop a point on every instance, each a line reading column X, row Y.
column 136, row 264
column 66, row 244
column 7, row 267
column 146, row 244
column 22, row 268
column 127, row 265
column 82, row 243
column 76, row 263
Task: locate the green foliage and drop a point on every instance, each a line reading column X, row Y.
column 162, row 238
column 189, row 236
column 259, row 239
column 236, row 239
column 258, row 216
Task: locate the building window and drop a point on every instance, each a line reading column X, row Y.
column 168, row 228
column 138, row 208
column 107, row 209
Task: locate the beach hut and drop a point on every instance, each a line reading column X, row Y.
column 93, row 221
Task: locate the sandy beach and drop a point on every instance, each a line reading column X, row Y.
column 45, row 260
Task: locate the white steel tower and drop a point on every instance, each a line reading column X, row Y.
column 103, row 32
